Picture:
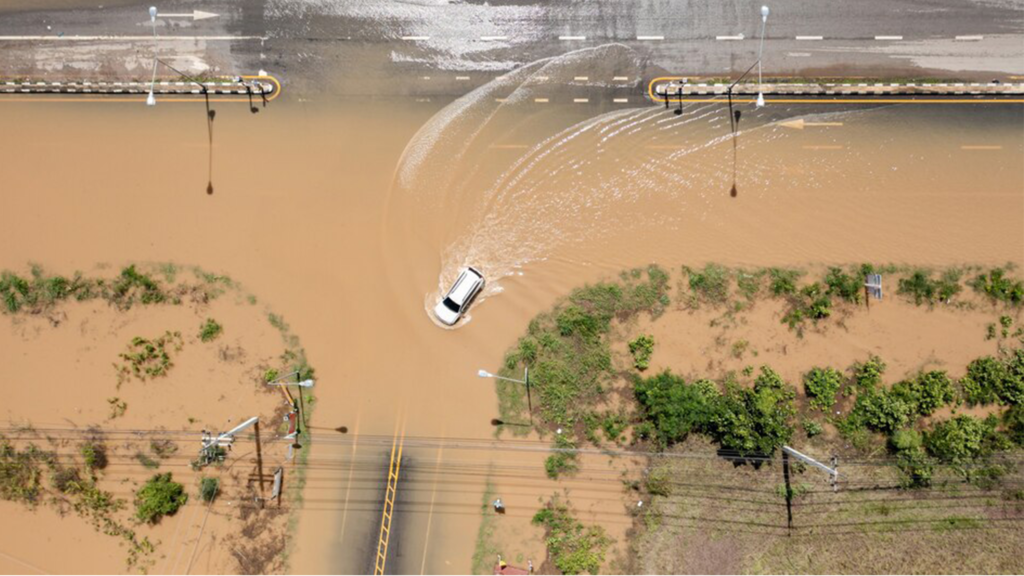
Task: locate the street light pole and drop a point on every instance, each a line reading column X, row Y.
column 760, row 51
column 525, row 381
column 151, row 99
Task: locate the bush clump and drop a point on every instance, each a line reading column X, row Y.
column 964, row 440
column 782, row 282
column 821, row 386
column 209, row 331
column 208, row 489
column 673, row 407
column 572, row 547
column 160, row 496
column 149, row 358
column 998, row 287
column 20, row 473
column 845, row 286
column 927, row 392
column 754, row 421
column 641, row 348
column 923, row 289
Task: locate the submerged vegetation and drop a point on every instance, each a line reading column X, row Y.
column 41, row 291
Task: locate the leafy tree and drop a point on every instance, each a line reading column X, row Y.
column 821, row 386
column 159, row 497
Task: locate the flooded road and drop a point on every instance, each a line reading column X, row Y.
column 351, row 215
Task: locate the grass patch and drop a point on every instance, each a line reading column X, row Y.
column 572, row 547
column 485, row 552
column 999, row 287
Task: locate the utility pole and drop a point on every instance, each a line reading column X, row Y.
column 259, row 461
column 833, row 474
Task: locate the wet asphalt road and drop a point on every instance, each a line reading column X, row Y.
column 375, row 48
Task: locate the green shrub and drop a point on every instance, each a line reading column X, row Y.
column 1013, row 420
column 674, row 408
column 782, row 282
column 749, row 283
column 998, row 287
column 574, row 321
column 641, row 348
column 209, row 331
column 754, row 421
column 922, row 289
column 821, row 386
column 927, row 392
column 962, row 439
column 710, row 284
column 812, row 428
column 208, row 489
column 882, row 411
column 845, row 286
column 868, row 375
column 572, row 547
column 613, row 426
column 159, row 497
column 983, row 381
column 916, row 469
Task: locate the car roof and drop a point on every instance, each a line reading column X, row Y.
column 465, row 283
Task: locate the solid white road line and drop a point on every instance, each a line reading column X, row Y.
column 810, row 37
column 970, row 38
column 493, row 38
column 650, row 37
column 620, row 79
column 572, row 37
column 888, row 37
column 736, row 37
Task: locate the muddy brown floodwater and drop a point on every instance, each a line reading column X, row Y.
column 348, row 216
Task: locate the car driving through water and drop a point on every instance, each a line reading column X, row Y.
column 459, row 296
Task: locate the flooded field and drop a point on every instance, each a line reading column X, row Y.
column 350, row 216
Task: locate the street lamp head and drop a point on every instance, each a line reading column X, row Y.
column 764, row 13
column 760, row 100
column 484, row 374
column 150, row 100
column 152, row 13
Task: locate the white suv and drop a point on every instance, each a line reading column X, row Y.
column 461, row 294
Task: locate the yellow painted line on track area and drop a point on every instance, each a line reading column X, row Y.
column 390, row 494
column 826, row 99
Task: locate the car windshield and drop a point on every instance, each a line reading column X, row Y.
column 451, row 305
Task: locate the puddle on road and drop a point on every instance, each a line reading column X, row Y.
column 315, row 213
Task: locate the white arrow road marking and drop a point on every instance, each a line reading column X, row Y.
column 195, row 15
